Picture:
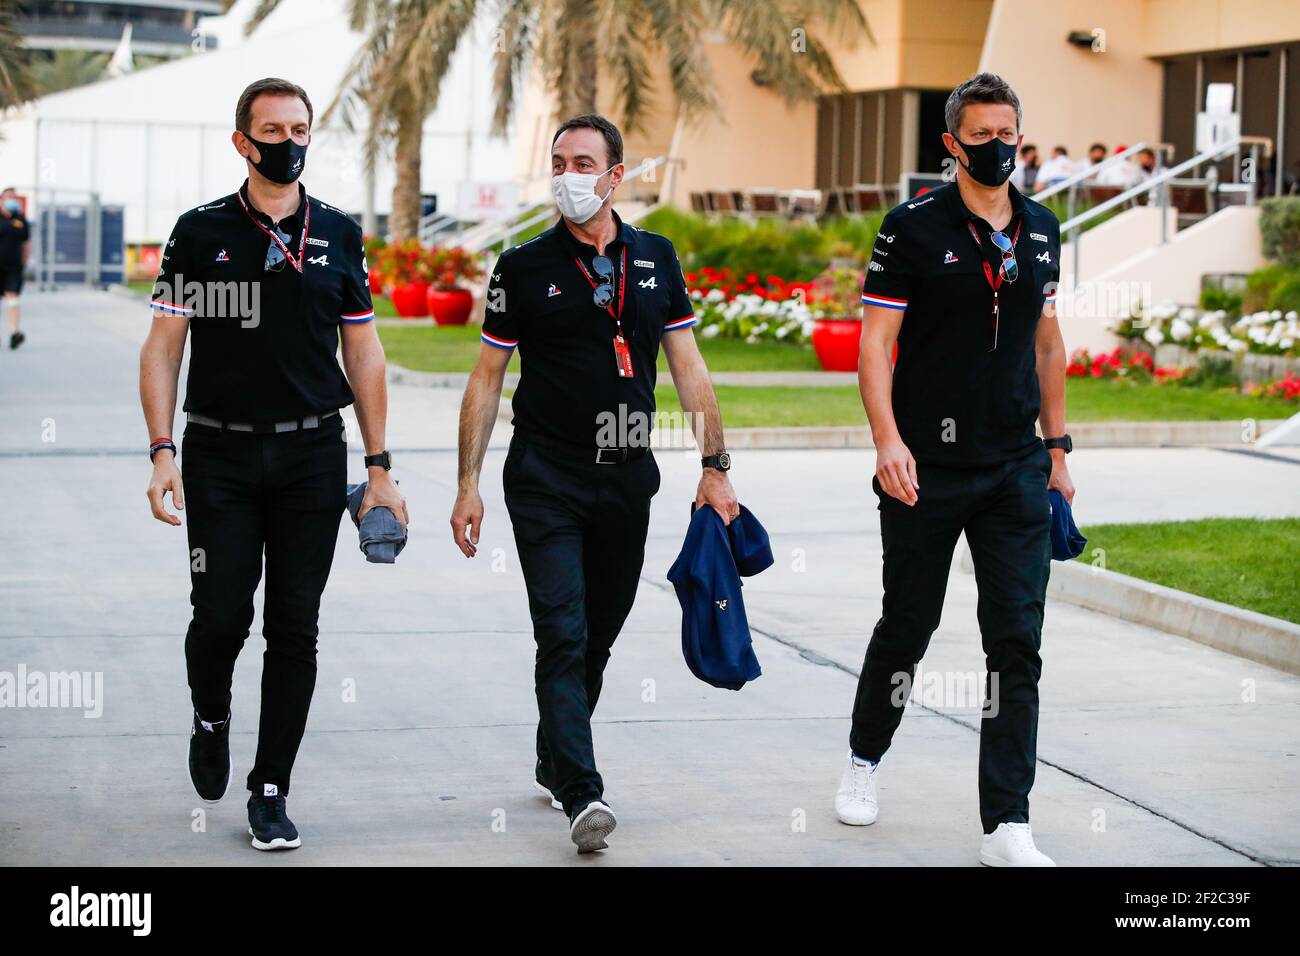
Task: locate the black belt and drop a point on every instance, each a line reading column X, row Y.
column 261, row 428
column 576, row 453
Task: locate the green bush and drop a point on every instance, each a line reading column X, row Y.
column 1214, row 299
column 1275, row 286
column 793, row 250
column 1279, row 227
column 1212, row 371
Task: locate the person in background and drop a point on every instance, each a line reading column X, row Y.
column 1123, row 174
column 1146, row 161
column 1057, row 169
column 1096, row 155
column 15, row 247
column 1025, row 177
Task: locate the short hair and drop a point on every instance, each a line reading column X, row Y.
column 980, row 88
column 1100, row 146
column 1028, row 148
column 1061, row 149
column 8, row 189
column 613, row 138
column 269, row 86
column 1147, row 151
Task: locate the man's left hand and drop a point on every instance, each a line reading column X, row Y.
column 381, row 491
column 1060, row 479
column 715, row 490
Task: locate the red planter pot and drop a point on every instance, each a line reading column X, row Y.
column 376, row 283
column 450, row 306
column 836, row 343
column 411, row 300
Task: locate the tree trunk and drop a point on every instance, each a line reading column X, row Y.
column 405, row 219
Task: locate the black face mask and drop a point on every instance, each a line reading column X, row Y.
column 990, row 164
column 281, row 162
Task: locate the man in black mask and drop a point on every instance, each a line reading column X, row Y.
column 963, row 280
column 266, row 282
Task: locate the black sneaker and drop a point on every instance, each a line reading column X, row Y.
column 210, row 758
column 270, row 825
column 17, row 339
column 591, row 825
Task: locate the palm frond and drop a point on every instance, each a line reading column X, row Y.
column 16, row 82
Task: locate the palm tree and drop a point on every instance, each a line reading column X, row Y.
column 16, row 83
column 398, row 71
column 67, row 69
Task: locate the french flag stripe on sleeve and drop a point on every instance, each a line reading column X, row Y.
column 358, row 316
column 682, row 323
column 499, row 343
column 171, row 307
column 884, row 300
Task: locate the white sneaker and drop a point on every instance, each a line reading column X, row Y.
column 544, row 791
column 1011, row 844
column 855, row 802
column 590, row 827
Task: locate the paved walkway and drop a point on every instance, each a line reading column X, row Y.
column 1153, row 749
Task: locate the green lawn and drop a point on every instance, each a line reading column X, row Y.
column 754, row 406
column 418, row 344
column 1086, row 401
column 1249, row 562
column 1112, row 400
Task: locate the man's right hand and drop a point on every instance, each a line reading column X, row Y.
column 896, row 470
column 466, row 520
column 166, row 477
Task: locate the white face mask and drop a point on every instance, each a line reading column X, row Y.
column 575, row 195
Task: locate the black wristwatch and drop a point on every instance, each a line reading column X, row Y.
column 720, row 461
column 383, row 460
column 1063, row 443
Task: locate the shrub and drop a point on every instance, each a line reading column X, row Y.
column 794, row 250
column 1279, row 227
column 1214, row 299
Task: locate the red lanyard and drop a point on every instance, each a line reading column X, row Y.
column 994, row 284
column 622, row 283
column 302, row 242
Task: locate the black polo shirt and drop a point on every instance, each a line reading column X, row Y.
column 14, row 231
column 956, row 401
column 263, row 342
column 540, row 300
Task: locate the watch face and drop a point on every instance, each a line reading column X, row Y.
column 724, row 461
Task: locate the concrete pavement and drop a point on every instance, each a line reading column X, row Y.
column 1153, row 749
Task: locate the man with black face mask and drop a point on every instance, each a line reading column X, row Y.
column 267, row 281
column 963, row 280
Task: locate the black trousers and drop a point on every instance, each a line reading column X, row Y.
column 1004, row 512
column 580, row 531
column 246, row 495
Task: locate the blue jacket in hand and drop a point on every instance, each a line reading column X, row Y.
column 706, row 576
column 382, row 535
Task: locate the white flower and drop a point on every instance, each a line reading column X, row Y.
column 1154, row 335
column 1187, row 314
column 1180, row 330
column 710, row 331
column 1236, row 345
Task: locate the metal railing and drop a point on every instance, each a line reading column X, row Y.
column 1070, row 185
column 1158, row 185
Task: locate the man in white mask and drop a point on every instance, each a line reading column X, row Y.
column 588, row 304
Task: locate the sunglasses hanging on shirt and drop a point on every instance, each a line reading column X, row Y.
column 1008, row 270
column 602, row 295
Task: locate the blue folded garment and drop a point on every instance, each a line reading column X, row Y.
column 706, row 577
column 1067, row 542
column 382, row 535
